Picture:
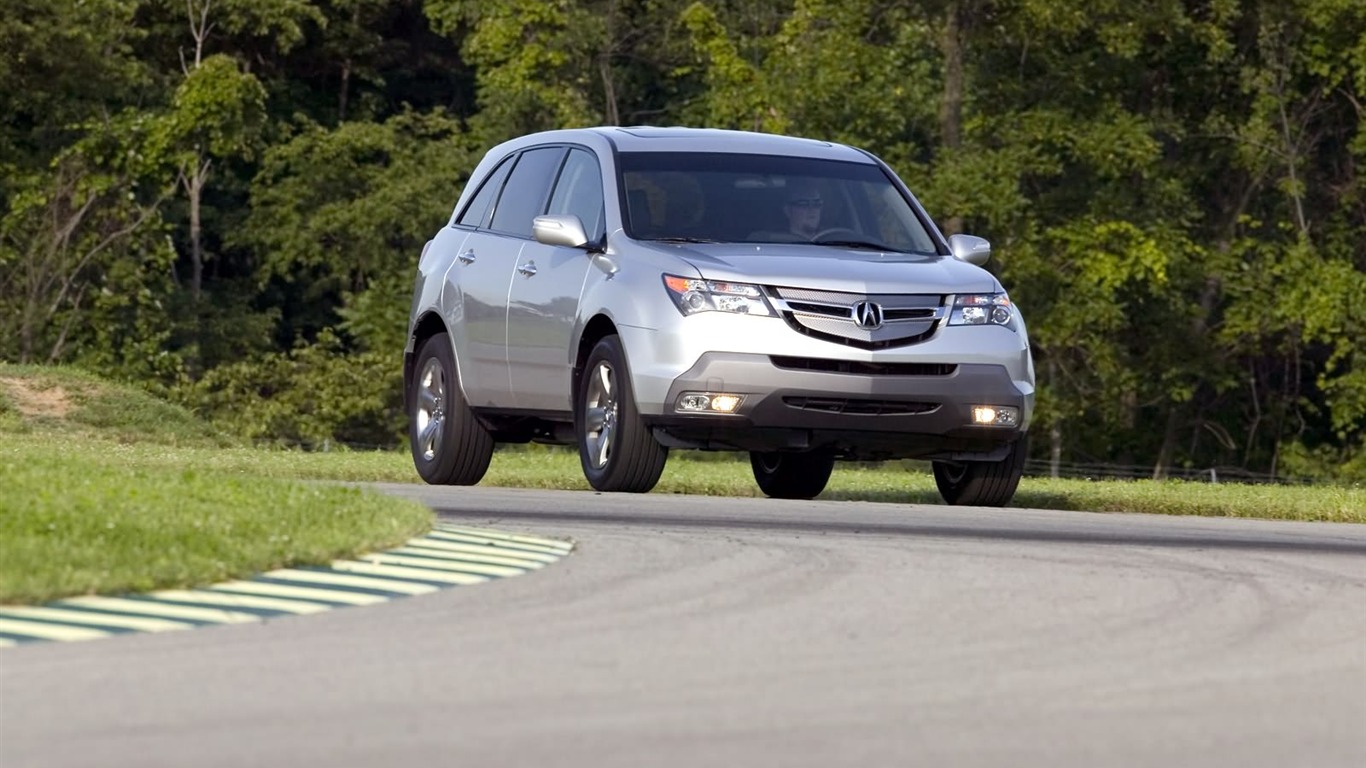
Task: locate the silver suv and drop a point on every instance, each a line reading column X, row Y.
column 632, row 290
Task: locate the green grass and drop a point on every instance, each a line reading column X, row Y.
column 109, row 490
column 75, row 520
column 124, row 492
column 891, row 482
column 72, row 402
column 708, row 474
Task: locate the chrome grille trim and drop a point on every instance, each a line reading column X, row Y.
column 828, row 315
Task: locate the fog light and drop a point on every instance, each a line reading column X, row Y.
column 995, row 416
column 694, row 403
column 708, row 402
column 724, row 403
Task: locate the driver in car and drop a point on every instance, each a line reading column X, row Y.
column 803, row 210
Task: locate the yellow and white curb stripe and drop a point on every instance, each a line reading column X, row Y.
column 448, row 556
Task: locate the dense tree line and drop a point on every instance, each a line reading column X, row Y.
column 224, row 199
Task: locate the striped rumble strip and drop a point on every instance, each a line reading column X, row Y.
column 448, row 556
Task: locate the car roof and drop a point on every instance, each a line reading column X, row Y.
column 711, row 140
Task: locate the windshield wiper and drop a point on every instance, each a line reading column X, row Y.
column 870, row 245
column 681, row 240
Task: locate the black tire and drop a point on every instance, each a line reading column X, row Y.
column 792, row 475
column 982, row 483
column 450, row 446
column 616, row 449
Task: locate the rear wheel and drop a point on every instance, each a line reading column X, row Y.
column 792, row 475
column 982, row 483
column 616, row 449
column 450, row 446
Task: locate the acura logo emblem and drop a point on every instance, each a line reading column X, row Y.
column 867, row 315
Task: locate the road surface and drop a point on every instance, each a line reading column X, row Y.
column 698, row 631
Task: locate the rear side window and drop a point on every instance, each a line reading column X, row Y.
column 476, row 214
column 579, row 191
column 524, row 195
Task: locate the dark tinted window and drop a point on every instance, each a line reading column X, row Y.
column 579, row 191
column 524, row 195
column 476, row 213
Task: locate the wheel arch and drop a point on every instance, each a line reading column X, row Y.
column 427, row 326
column 595, row 330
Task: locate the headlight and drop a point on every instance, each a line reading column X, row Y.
column 983, row 309
column 693, row 296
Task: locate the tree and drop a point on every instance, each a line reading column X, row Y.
column 1173, row 190
column 217, row 114
column 62, row 238
column 335, row 210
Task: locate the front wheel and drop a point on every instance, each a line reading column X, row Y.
column 616, row 449
column 792, row 475
column 982, row 483
column 450, row 446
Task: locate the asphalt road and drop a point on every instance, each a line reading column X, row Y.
column 692, row 631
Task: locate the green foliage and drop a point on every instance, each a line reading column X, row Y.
column 211, row 196
column 534, row 60
column 315, row 395
column 1325, row 463
column 282, row 22
column 340, row 207
column 218, row 111
column 377, row 318
column 232, row 321
column 336, row 210
column 61, row 62
column 71, row 239
column 738, row 94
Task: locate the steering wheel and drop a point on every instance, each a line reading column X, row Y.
column 844, row 234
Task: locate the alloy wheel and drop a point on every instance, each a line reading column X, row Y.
column 431, row 408
column 600, row 414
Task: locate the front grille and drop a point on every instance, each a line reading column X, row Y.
column 825, row 310
column 861, row 368
column 828, row 315
column 917, row 313
column 857, row 407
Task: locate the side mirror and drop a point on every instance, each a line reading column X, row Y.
column 562, row 229
column 969, row 248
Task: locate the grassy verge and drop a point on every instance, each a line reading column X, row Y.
column 691, row 473
column 71, row 524
column 71, row 402
column 85, row 511
column 107, row 489
column 74, row 523
column 704, row 474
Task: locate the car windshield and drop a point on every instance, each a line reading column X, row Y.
column 737, row 198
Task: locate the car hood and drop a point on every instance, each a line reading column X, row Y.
column 836, row 269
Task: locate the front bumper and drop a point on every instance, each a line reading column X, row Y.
column 892, row 413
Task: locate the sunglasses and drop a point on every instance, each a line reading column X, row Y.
column 806, row 202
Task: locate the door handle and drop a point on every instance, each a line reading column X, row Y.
column 467, row 257
column 528, row 268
